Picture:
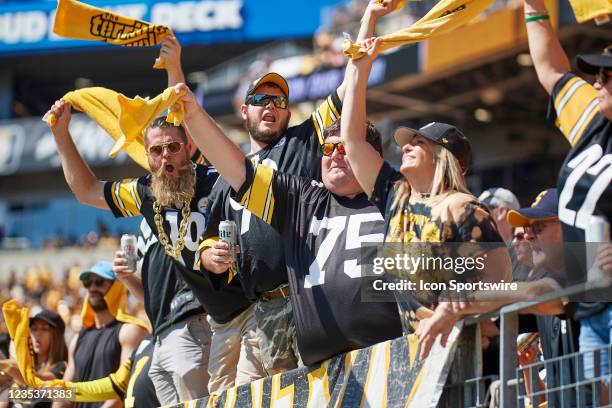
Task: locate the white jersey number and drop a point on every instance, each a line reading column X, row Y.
column 200, row 226
column 336, row 226
column 590, row 162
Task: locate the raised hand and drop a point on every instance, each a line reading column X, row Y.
column 58, row 116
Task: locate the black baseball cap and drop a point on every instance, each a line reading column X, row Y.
column 592, row 63
column 269, row 78
column 544, row 208
column 52, row 319
column 447, row 136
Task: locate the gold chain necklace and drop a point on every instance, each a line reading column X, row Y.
column 163, row 238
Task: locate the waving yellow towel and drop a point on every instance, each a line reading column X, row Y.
column 123, row 118
column 74, row 19
column 18, row 324
column 445, row 16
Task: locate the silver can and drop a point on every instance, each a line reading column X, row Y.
column 596, row 233
column 128, row 246
column 598, row 229
column 227, row 234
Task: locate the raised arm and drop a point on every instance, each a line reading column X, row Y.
column 548, row 57
column 364, row 159
column 171, row 51
column 81, row 180
column 212, row 141
column 374, row 10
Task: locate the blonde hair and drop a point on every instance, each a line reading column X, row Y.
column 448, row 178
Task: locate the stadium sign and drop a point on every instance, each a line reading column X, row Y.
column 28, row 26
column 27, row 145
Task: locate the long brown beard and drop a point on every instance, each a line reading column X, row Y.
column 173, row 190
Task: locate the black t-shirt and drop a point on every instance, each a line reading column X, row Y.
column 322, row 236
column 132, row 197
column 97, row 354
column 585, row 178
column 168, row 298
column 261, row 264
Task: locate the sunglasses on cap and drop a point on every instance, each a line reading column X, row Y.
column 264, row 99
column 99, row 282
column 328, row 148
column 158, row 150
column 603, row 76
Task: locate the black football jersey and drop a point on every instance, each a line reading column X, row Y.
column 168, row 298
column 584, row 180
column 261, row 264
column 132, row 197
column 323, row 236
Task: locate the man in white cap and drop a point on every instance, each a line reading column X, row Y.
column 500, row 201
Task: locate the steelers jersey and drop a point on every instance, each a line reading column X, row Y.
column 261, row 265
column 138, row 390
column 132, row 197
column 584, row 180
column 323, row 236
column 167, row 297
column 456, row 217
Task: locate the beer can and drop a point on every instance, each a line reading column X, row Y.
column 128, row 246
column 596, row 233
column 227, row 234
column 598, row 229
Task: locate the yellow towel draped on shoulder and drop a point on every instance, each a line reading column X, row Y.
column 445, row 16
column 116, row 301
column 74, row 19
column 125, row 119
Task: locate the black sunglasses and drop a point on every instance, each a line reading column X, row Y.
column 264, row 99
column 92, row 281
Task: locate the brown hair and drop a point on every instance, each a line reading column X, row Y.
column 58, row 351
column 373, row 136
column 162, row 123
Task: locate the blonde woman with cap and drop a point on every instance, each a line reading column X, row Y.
column 427, row 200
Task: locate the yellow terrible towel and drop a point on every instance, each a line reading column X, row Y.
column 74, row 19
column 123, row 118
column 589, row 9
column 445, row 16
column 18, row 324
column 116, row 301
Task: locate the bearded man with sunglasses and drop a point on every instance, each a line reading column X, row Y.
column 261, row 266
column 172, row 199
column 583, row 113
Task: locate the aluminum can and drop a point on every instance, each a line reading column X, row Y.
column 128, row 246
column 227, row 234
column 596, row 233
column 598, row 229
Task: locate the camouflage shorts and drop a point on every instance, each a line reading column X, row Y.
column 277, row 336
